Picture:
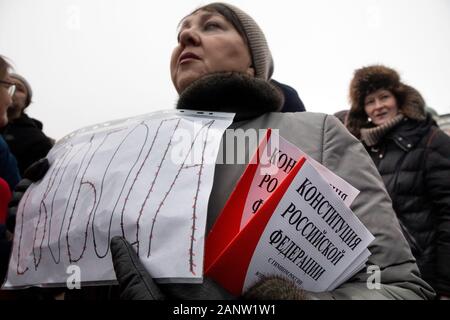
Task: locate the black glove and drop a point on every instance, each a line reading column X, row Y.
column 34, row 173
column 137, row 284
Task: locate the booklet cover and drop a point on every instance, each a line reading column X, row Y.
column 303, row 231
column 275, row 159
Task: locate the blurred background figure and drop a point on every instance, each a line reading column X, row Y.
column 434, row 114
column 292, row 102
column 413, row 157
column 444, row 123
column 8, row 164
column 24, row 134
column 9, row 174
column 342, row 116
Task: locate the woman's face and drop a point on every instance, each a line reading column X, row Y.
column 207, row 43
column 5, row 101
column 381, row 106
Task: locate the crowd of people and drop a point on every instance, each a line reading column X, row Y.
column 390, row 148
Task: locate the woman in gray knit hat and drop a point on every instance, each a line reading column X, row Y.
column 413, row 157
column 222, row 63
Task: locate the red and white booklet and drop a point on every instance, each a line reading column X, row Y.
column 275, row 158
column 302, row 230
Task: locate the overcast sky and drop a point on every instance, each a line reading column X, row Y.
column 90, row 61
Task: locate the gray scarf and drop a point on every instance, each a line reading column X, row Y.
column 371, row 136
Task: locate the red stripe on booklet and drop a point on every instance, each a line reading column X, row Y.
column 229, row 268
column 227, row 225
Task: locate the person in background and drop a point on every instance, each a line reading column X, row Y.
column 292, row 102
column 433, row 114
column 444, row 123
column 341, row 115
column 24, row 134
column 8, row 164
column 9, row 173
column 413, row 157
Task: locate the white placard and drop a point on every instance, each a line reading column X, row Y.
column 147, row 178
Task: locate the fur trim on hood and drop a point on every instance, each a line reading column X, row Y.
column 247, row 96
column 370, row 79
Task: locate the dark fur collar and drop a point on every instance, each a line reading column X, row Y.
column 248, row 97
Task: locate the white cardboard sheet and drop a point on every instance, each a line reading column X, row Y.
column 147, row 178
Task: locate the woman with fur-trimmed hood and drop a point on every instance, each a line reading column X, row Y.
column 413, row 157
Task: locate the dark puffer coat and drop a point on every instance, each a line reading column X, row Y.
column 414, row 162
column 413, row 158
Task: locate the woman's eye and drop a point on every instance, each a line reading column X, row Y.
column 211, row 25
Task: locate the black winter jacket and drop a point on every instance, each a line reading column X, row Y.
column 27, row 141
column 414, row 162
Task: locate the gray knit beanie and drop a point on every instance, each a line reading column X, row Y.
column 259, row 49
column 27, row 86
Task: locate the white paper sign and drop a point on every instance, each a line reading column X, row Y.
column 147, row 178
column 312, row 238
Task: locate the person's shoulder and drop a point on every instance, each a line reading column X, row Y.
column 438, row 140
column 441, row 135
column 31, row 121
column 312, row 120
column 25, row 126
column 37, row 123
column 326, row 121
column 302, row 116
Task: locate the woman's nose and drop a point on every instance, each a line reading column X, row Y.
column 378, row 104
column 189, row 37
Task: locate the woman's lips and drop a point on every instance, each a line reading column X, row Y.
column 187, row 56
column 381, row 114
